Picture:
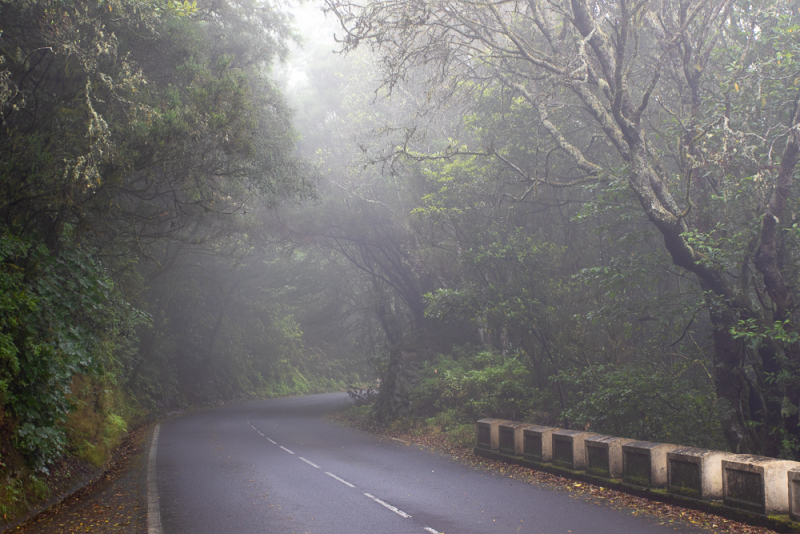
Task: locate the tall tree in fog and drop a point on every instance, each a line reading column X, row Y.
column 362, row 220
column 693, row 106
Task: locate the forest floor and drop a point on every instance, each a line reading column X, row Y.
column 662, row 512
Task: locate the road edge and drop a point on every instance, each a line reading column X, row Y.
column 153, row 509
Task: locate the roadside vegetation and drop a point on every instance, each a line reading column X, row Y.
column 142, row 149
column 451, row 392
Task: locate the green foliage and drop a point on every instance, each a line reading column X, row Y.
column 10, row 497
column 182, row 9
column 96, row 422
column 477, row 383
column 130, row 132
column 231, row 333
column 674, row 405
column 514, row 293
column 668, row 193
column 462, row 435
column 19, row 491
column 63, row 312
column 16, row 300
column 456, row 429
column 754, row 333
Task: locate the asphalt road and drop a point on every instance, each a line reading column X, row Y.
column 277, row 466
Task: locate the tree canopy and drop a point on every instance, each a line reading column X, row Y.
column 141, row 147
column 688, row 108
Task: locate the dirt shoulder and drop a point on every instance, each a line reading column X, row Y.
column 115, row 501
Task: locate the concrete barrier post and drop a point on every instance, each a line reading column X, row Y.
column 794, row 493
column 604, row 455
column 756, row 483
column 538, row 443
column 645, row 463
column 695, row 472
column 488, row 435
column 569, row 449
column 512, row 438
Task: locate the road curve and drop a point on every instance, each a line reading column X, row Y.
column 277, row 466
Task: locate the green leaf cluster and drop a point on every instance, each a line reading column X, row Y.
column 61, row 311
column 644, row 402
column 477, row 383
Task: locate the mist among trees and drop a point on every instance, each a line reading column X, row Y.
column 566, row 212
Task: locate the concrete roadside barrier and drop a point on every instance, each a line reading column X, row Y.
column 695, row 472
column 512, row 439
column 752, row 489
column 645, row 463
column 488, row 434
column 756, row 483
column 569, row 449
column 794, row 493
column 604, row 455
column 538, row 443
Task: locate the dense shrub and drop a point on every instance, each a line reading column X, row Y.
column 674, row 405
column 478, row 383
column 60, row 318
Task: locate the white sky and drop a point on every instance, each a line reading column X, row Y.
column 317, row 33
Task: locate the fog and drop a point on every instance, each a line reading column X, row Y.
column 493, row 210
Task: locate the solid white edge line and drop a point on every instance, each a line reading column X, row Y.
column 312, row 464
column 385, row 504
column 271, row 441
column 343, row 481
column 153, row 511
column 284, row 448
column 431, row 530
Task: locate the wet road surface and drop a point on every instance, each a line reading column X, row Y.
column 277, row 466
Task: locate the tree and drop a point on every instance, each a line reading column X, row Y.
column 692, row 105
column 133, row 137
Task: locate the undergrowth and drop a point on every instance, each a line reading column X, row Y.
column 639, row 401
column 19, row 491
column 99, row 419
column 95, row 425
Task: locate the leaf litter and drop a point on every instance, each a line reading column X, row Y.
column 112, row 503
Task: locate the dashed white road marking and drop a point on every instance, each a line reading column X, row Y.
column 154, row 517
column 343, row 481
column 388, row 506
column 153, row 511
column 312, row 464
